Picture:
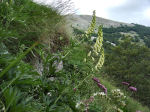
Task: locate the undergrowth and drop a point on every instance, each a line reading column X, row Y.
column 68, row 80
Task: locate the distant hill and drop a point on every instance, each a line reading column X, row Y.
column 83, row 21
column 112, row 30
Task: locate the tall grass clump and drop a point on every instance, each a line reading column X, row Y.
column 23, row 22
column 25, row 27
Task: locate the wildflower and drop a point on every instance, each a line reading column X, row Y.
column 133, row 88
column 84, row 59
column 93, row 59
column 105, row 90
column 138, row 111
column 49, row 94
column 98, row 44
column 99, row 93
column 101, row 60
column 92, row 26
column 89, row 54
column 96, row 80
column 86, row 110
column 96, row 68
column 119, row 110
column 78, row 104
column 125, row 83
column 95, row 94
column 123, row 103
column 92, row 98
column 118, row 90
column 103, row 87
column 92, row 69
column 102, row 94
column 96, row 53
column 74, row 89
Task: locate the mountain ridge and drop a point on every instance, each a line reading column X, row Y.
column 83, row 21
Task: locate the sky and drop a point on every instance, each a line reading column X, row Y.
column 129, row 11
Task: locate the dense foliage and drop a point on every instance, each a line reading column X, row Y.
column 130, row 62
column 113, row 34
column 42, row 69
column 142, row 31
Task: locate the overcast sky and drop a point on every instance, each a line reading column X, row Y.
column 130, row 11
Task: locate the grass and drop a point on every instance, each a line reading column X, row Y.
column 79, row 54
column 33, row 31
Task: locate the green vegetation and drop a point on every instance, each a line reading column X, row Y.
column 114, row 34
column 142, row 31
column 130, row 62
column 44, row 69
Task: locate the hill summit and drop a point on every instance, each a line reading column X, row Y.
column 83, row 21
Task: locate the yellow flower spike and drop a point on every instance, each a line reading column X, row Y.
column 98, row 48
column 89, row 54
column 96, row 68
column 101, row 60
column 92, row 25
column 93, row 59
column 96, row 53
column 84, row 59
column 92, row 69
column 98, row 44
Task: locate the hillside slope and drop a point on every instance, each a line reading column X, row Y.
column 62, row 81
column 83, row 21
column 113, row 30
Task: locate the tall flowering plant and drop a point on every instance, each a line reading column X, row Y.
column 92, row 25
column 97, row 51
column 96, row 54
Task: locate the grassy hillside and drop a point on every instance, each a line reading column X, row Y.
column 139, row 33
column 83, row 21
column 127, row 56
column 44, row 69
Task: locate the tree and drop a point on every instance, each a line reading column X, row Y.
column 130, row 62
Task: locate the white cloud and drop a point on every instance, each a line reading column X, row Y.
column 147, row 13
column 101, row 6
column 130, row 11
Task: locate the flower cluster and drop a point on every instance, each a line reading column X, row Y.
column 117, row 93
column 85, row 103
column 99, row 40
column 131, row 88
column 118, row 109
column 99, row 93
column 97, row 50
column 96, row 80
column 92, row 25
column 100, row 61
column 118, row 98
column 103, row 87
column 100, row 85
column 125, row 83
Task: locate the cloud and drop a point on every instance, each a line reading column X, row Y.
column 130, row 11
column 101, row 6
